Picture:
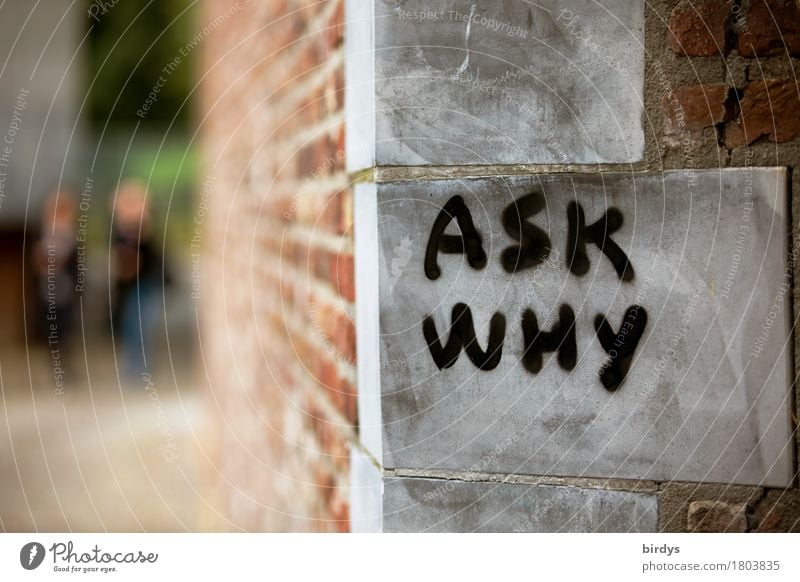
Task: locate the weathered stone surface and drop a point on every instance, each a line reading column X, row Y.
column 463, row 82
column 437, row 505
column 706, row 395
column 717, row 516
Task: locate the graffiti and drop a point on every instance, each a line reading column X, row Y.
column 532, row 249
column 534, row 243
column 468, row 242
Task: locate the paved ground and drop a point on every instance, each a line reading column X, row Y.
column 102, row 456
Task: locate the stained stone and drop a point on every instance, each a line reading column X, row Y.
column 700, row 389
column 458, row 82
column 437, row 505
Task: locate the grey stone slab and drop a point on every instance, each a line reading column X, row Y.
column 436, row 505
column 706, row 397
column 483, row 82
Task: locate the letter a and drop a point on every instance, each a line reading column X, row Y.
column 468, row 242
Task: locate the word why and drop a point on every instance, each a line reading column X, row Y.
column 620, row 346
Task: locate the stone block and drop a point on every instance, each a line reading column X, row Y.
column 457, row 82
column 618, row 325
column 439, row 505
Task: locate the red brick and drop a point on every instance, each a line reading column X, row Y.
column 343, row 337
column 324, row 481
column 307, row 160
column 344, row 276
column 340, row 148
column 309, row 112
column 283, row 209
column 335, row 32
column 329, row 378
column 332, row 217
column 321, row 263
column 338, row 84
column 311, row 57
column 329, row 96
column 698, row 29
column 769, row 109
column 332, row 151
column 694, row 107
column 772, row 27
column 340, row 511
column 351, row 401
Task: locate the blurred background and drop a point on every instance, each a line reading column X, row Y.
column 98, row 173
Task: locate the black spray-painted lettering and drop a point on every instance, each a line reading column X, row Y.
column 561, row 338
column 468, row 242
column 620, row 346
column 534, row 247
column 462, row 335
column 598, row 233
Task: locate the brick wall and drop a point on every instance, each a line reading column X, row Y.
column 723, row 76
column 722, row 91
column 278, row 340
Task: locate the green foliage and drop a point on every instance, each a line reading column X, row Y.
column 130, row 44
column 168, row 169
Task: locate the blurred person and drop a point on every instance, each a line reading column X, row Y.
column 137, row 275
column 55, row 263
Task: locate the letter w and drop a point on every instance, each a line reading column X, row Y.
column 462, row 335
